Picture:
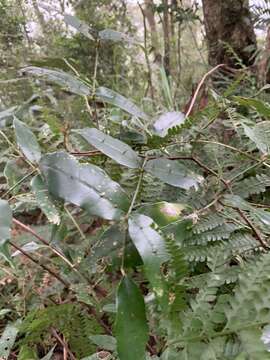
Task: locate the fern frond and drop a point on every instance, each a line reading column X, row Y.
column 208, row 222
column 68, row 319
column 217, row 234
column 252, row 186
column 250, row 303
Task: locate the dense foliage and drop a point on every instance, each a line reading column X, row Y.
column 130, row 231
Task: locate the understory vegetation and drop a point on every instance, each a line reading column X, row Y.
column 129, row 229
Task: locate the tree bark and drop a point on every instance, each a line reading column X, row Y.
column 166, row 36
column 229, row 31
column 263, row 65
column 40, row 17
column 150, row 16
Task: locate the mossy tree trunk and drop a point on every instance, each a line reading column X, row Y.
column 230, row 33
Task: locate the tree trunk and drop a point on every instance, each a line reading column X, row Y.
column 166, row 36
column 150, row 16
column 229, row 31
column 263, row 65
column 40, row 17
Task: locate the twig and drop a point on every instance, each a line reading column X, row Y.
column 199, row 163
column 56, row 252
column 137, row 188
column 231, row 148
column 95, row 82
column 78, row 75
column 134, row 198
column 74, row 222
column 44, row 267
column 199, row 87
column 86, row 153
column 64, row 344
column 19, row 182
column 146, row 53
column 256, row 232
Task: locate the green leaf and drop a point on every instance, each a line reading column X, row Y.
column 111, row 97
column 26, row 141
column 261, row 107
column 253, row 345
column 104, row 342
column 115, row 36
column 27, row 353
column 5, row 225
column 260, row 135
column 84, row 185
column 7, row 339
column 49, row 355
column 115, row 149
column 80, row 26
column 44, row 201
column 110, row 246
column 167, row 121
column 29, row 247
column 131, row 325
column 173, row 173
column 6, row 115
column 166, row 89
column 69, row 82
column 163, row 213
column 92, row 34
column 5, row 220
column 152, row 248
column 13, row 173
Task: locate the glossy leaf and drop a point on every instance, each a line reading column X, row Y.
column 173, row 173
column 80, row 26
column 260, row 135
column 69, row 82
column 84, row 185
column 44, row 201
column 151, row 247
column 5, row 225
column 115, row 36
column 28, row 247
column 27, row 141
column 115, row 149
column 6, row 115
column 104, row 342
column 110, row 246
column 111, row 97
column 90, row 33
column 131, row 325
column 163, row 213
column 7, row 340
column 5, row 220
column 167, row 121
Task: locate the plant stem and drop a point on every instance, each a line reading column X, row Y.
column 56, row 252
column 44, row 267
column 19, row 182
column 75, row 222
column 135, row 195
column 199, row 87
column 95, row 83
column 137, row 188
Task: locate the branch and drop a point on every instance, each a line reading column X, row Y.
column 44, row 267
column 199, row 87
column 63, row 343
